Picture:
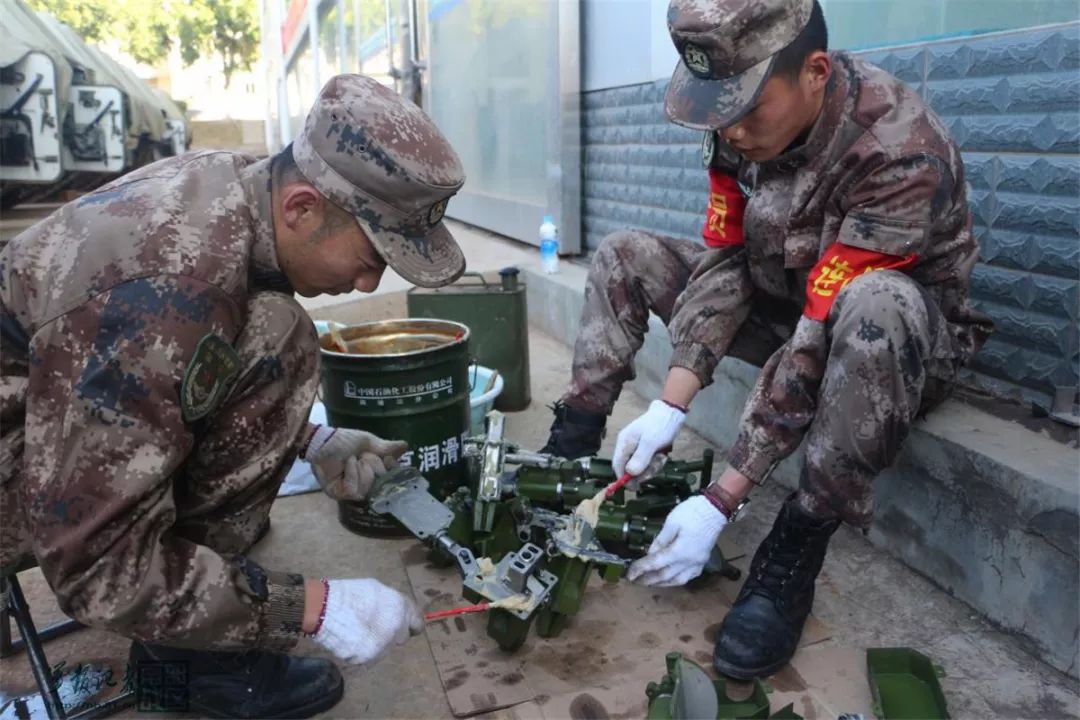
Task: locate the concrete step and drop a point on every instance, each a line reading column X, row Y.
column 984, row 507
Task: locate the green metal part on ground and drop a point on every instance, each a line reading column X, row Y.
column 904, row 684
column 687, row 692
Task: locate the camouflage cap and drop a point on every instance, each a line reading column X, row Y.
column 378, row 156
column 727, row 49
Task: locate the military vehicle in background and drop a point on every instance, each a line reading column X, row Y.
column 71, row 117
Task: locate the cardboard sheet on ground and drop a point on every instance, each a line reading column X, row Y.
column 612, row 649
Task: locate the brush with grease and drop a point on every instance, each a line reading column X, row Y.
column 514, row 602
column 440, row 614
column 617, row 485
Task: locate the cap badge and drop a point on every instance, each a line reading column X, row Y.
column 697, row 60
column 435, row 214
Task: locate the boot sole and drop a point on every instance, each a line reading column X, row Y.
column 303, row 711
column 741, row 673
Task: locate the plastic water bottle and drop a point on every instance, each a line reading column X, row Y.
column 549, row 246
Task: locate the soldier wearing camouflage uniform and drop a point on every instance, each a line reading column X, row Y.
column 157, row 377
column 837, row 256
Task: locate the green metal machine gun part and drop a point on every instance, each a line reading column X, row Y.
column 903, row 683
column 686, row 692
column 502, row 514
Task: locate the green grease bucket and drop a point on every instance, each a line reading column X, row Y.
column 402, row 380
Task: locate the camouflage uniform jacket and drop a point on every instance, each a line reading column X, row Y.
column 878, row 173
column 104, row 304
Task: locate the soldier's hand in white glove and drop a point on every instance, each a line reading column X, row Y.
column 642, row 439
column 655, row 466
column 346, row 462
column 363, row 617
column 680, row 551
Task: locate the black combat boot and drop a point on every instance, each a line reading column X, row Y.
column 249, row 684
column 574, row 433
column 760, row 633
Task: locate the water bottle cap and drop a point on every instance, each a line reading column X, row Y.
column 549, row 220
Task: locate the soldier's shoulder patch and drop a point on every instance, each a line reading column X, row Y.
column 208, row 377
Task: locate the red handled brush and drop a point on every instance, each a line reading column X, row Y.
column 440, row 614
column 617, row 485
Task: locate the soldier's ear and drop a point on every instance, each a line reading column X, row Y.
column 817, row 69
column 301, row 206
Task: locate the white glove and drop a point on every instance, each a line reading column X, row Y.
column 346, row 462
column 642, row 439
column 655, row 466
column 363, row 617
column 680, row 551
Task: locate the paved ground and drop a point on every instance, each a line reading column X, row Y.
column 867, row 598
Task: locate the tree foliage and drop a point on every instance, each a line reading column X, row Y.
column 229, row 28
column 91, row 20
column 147, row 29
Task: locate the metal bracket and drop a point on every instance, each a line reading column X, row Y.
column 403, row 493
column 489, row 489
column 516, row 576
column 573, row 537
column 462, row 555
column 493, row 458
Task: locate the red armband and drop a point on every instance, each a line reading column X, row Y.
column 724, row 217
column 839, row 266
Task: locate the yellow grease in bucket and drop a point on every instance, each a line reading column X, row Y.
column 387, row 338
column 396, row 344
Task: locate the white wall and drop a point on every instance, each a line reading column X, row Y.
column 664, row 57
column 625, row 42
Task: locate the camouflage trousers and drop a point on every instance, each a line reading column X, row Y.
column 888, row 358
column 242, row 452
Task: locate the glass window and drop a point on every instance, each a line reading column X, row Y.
column 329, row 60
column 490, row 64
column 351, row 32
column 300, row 88
column 374, row 58
column 859, row 24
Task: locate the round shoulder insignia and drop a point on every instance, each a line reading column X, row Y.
column 208, row 377
column 708, row 148
column 697, row 60
column 435, row 214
